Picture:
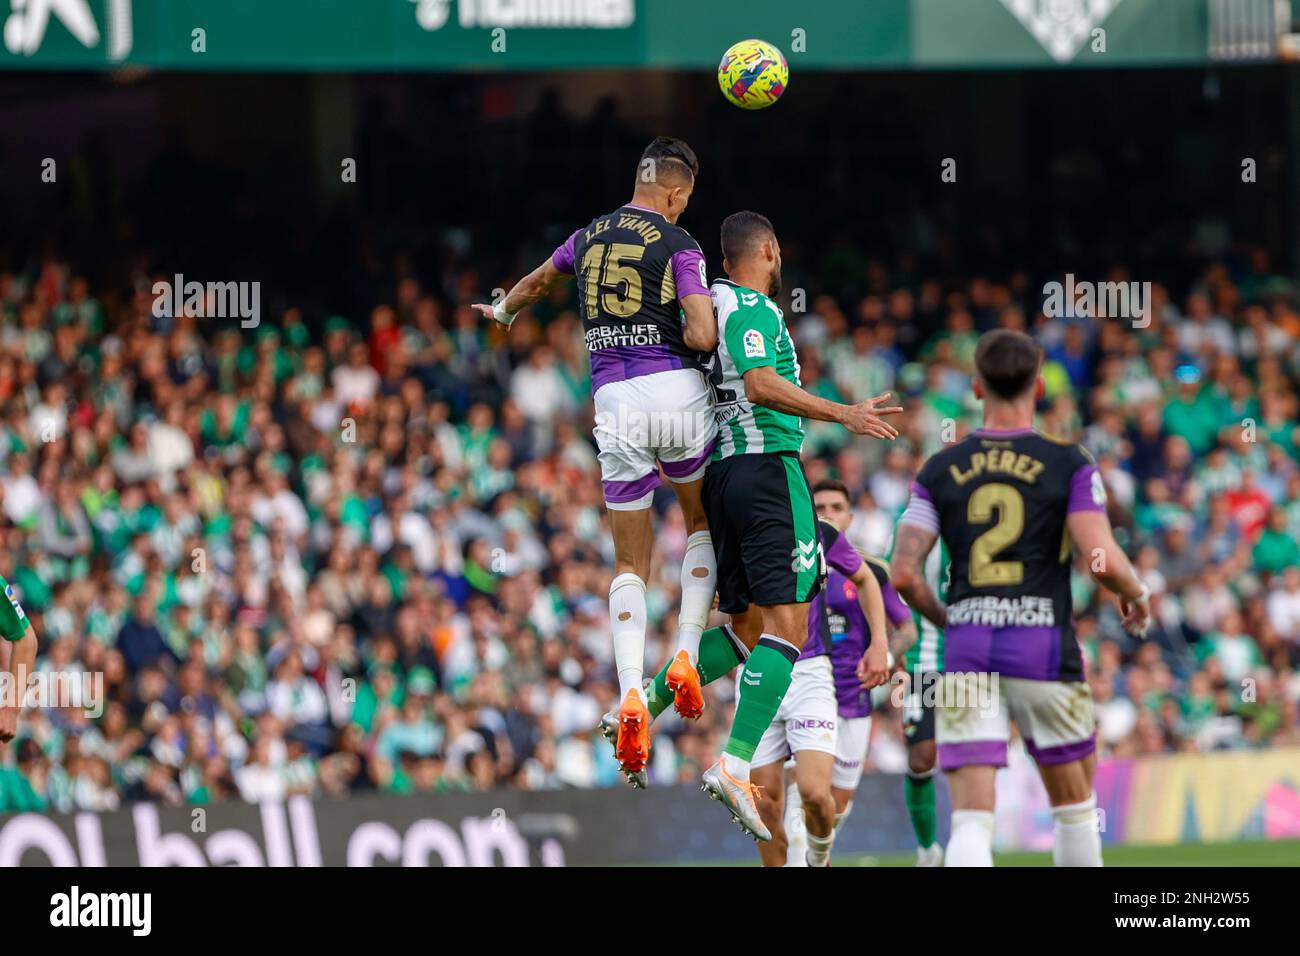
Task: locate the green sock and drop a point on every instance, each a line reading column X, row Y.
column 919, row 794
column 717, row 657
column 763, row 684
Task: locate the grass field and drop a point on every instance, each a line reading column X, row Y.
column 1253, row 853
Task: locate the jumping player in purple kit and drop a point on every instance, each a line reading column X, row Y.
column 1010, row 504
column 649, row 325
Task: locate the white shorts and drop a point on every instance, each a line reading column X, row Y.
column 973, row 714
column 808, row 716
column 665, row 417
column 853, row 740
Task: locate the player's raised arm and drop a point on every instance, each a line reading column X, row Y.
column 534, row 286
column 1091, row 532
column 918, row 530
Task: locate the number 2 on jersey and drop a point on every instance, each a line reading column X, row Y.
column 602, row 269
column 1010, row 508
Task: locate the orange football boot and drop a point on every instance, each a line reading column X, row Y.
column 632, row 745
column 684, row 681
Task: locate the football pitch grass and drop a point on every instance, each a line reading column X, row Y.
column 1247, row 853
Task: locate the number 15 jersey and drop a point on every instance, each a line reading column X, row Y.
column 999, row 500
column 633, row 266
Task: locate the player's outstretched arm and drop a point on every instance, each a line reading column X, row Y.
column 764, row 386
column 873, row 669
column 700, row 330
column 911, row 545
column 531, row 288
column 1109, row 565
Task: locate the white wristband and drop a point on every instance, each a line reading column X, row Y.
column 501, row 315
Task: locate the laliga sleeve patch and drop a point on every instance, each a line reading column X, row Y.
column 9, row 593
column 704, row 275
column 1098, row 490
column 754, row 346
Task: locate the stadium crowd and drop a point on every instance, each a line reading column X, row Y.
column 333, row 554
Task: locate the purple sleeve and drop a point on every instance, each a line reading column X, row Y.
column 895, row 609
column 843, row 558
column 562, row 257
column 689, row 273
column 1087, row 493
column 920, row 510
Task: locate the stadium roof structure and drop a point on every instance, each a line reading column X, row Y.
column 451, row 35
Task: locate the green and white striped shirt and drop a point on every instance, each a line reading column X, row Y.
column 751, row 333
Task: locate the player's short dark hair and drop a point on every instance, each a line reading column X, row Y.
column 672, row 158
column 1007, row 362
column 832, row 484
column 742, row 232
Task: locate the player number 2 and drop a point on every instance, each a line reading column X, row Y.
column 602, row 268
column 1010, row 508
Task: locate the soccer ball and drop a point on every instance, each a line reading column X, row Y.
column 753, row 74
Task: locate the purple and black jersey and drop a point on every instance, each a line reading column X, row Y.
column 842, row 559
column 836, row 624
column 836, row 621
column 1000, row 500
column 633, row 266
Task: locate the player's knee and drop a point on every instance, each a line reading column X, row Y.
column 817, row 795
column 920, row 759
column 1067, row 784
column 747, row 626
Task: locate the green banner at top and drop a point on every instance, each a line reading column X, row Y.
column 584, row 34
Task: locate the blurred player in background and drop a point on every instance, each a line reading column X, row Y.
column 923, row 664
column 17, row 660
column 1008, row 503
column 646, row 312
column 848, row 622
column 769, row 555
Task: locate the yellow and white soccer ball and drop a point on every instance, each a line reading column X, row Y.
column 753, row 74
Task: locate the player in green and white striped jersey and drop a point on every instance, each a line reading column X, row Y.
column 924, row 660
column 747, row 321
column 17, row 660
column 760, row 509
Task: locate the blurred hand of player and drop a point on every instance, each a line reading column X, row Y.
column 1137, row 613
column 873, row 669
column 864, row 418
column 485, row 310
